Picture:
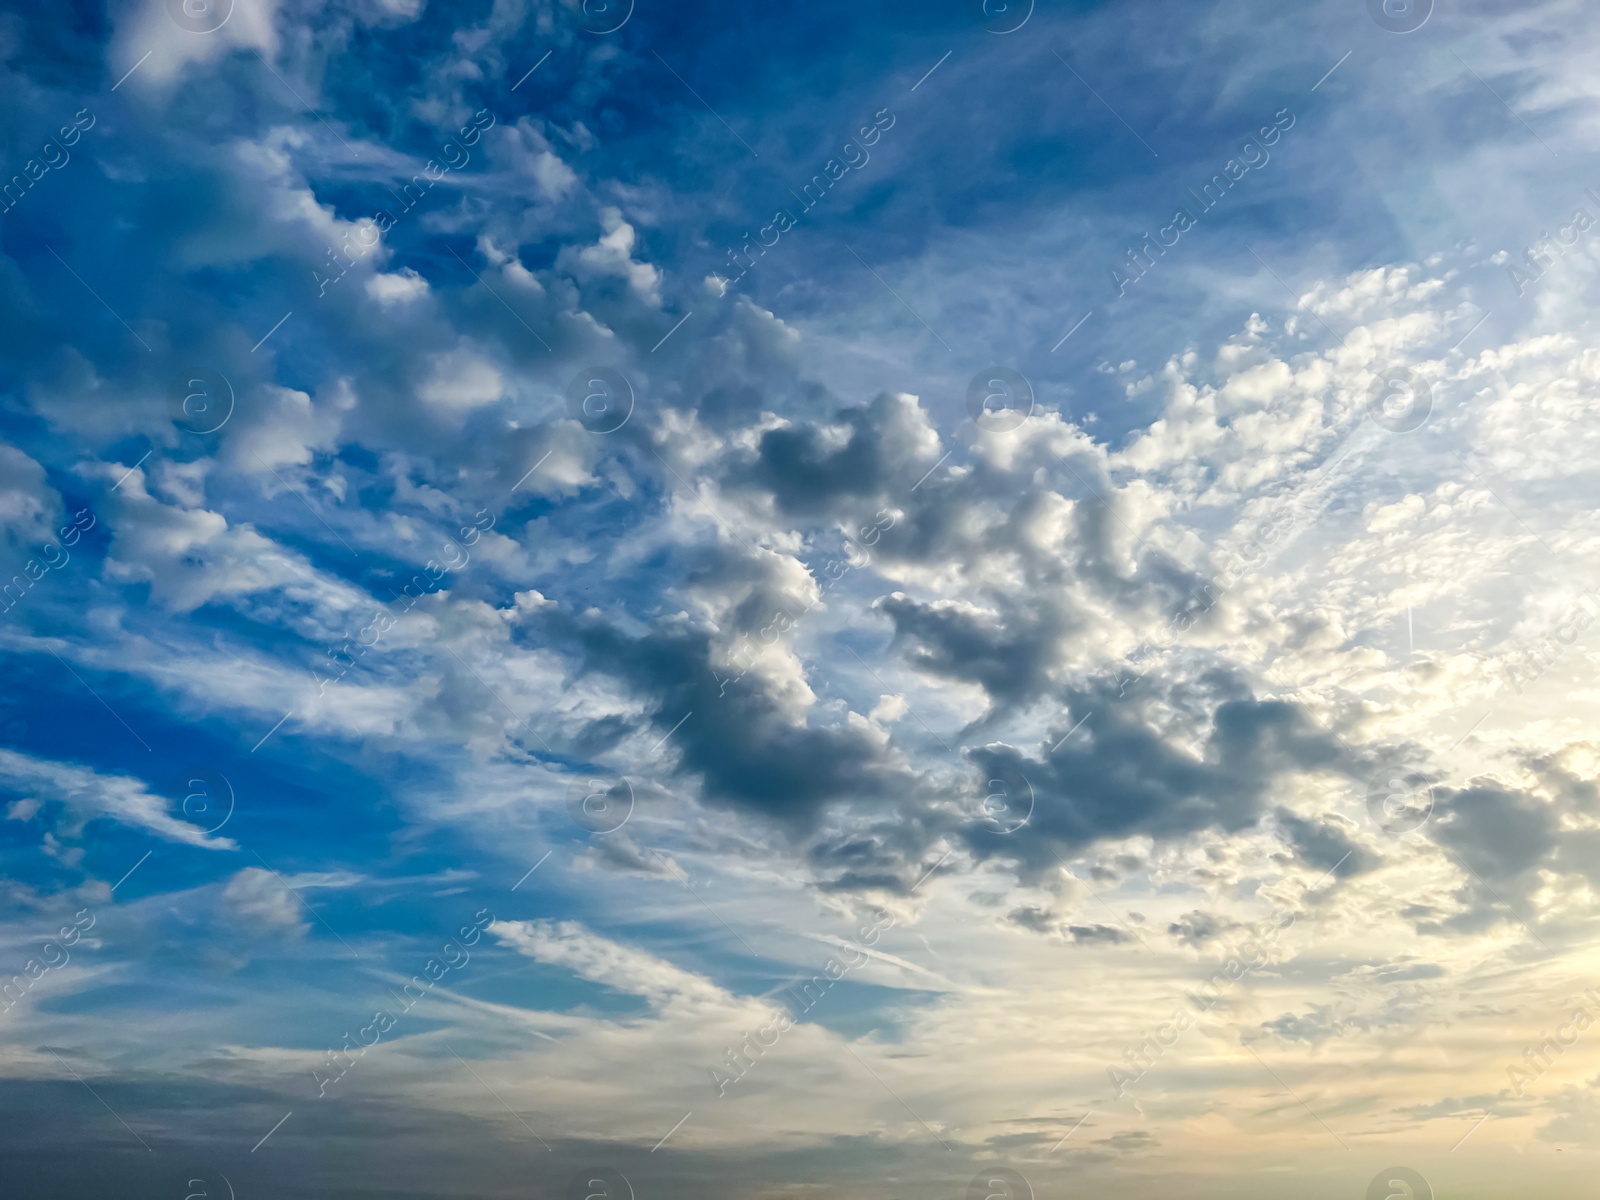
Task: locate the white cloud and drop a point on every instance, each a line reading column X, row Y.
column 462, row 379
column 88, row 794
column 568, row 944
column 259, row 899
column 404, row 286
column 613, row 255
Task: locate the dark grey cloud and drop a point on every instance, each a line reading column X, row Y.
column 1326, row 846
column 1012, row 659
column 1040, row 920
column 1505, row 839
column 1097, row 933
column 1198, row 928
column 1499, row 832
column 1313, row 1028
column 881, row 855
column 811, row 471
column 1129, row 1141
column 744, row 749
column 1121, row 775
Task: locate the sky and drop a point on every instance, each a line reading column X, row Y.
column 973, row 599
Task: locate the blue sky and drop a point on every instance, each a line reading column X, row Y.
column 474, row 517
